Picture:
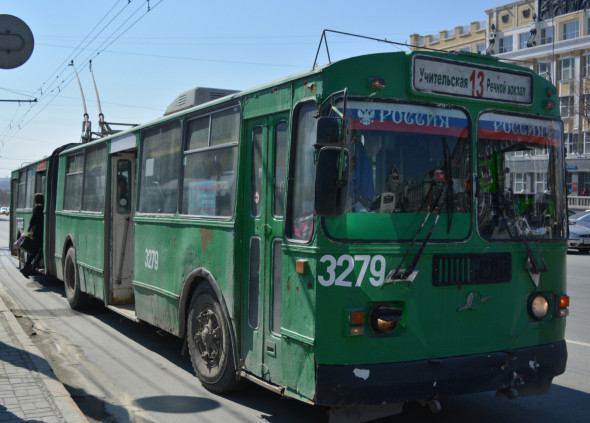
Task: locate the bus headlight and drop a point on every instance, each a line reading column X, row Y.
column 538, row 307
column 383, row 319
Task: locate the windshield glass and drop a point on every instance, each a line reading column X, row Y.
column 405, row 161
column 520, row 164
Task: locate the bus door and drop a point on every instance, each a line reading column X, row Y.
column 121, row 236
column 261, row 340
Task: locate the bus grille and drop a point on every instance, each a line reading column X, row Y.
column 459, row 269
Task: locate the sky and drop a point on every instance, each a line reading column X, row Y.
column 144, row 53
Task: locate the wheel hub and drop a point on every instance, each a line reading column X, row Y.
column 208, row 337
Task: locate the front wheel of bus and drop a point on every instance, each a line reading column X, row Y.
column 77, row 299
column 209, row 343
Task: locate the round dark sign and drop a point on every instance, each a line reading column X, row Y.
column 16, row 42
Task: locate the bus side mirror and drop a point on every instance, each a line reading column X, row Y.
column 331, row 181
column 328, row 131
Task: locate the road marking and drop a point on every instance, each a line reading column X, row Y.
column 584, row 344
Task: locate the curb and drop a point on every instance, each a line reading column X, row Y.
column 63, row 400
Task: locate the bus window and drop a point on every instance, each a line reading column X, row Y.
column 94, row 179
column 210, row 164
column 160, row 150
column 280, row 167
column 123, row 179
column 256, row 177
column 254, row 282
column 21, row 189
column 516, row 198
column 301, row 187
column 74, row 175
column 30, row 187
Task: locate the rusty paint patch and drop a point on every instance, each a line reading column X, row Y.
column 206, row 236
column 311, row 87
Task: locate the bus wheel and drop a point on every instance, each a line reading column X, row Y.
column 209, row 343
column 77, row 299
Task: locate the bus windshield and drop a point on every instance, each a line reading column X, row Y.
column 405, row 160
column 519, row 167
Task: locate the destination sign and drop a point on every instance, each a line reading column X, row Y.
column 431, row 74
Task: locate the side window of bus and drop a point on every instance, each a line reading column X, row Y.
column 160, row 150
column 302, row 175
column 30, row 187
column 94, row 179
column 210, row 164
column 123, row 179
column 73, row 188
column 21, row 189
column 280, row 168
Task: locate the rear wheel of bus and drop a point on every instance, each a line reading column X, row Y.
column 209, row 343
column 76, row 298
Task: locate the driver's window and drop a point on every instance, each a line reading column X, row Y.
column 123, row 179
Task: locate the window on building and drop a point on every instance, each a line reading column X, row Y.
column 480, row 48
column 571, row 30
column 566, row 69
column 540, row 182
column 465, row 49
column 586, row 66
column 566, row 105
column 519, row 182
column 571, row 143
column 586, row 146
column 585, row 106
column 522, row 40
column 544, row 69
column 505, row 44
column 547, row 35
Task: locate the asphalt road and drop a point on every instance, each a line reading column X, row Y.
column 120, row 371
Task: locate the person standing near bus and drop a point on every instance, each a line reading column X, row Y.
column 36, row 233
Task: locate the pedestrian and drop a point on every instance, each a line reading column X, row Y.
column 36, row 233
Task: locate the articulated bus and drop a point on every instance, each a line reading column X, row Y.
column 382, row 229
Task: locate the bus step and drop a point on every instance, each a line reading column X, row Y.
column 125, row 310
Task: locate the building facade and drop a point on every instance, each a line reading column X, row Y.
column 551, row 37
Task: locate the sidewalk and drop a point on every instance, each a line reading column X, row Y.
column 29, row 390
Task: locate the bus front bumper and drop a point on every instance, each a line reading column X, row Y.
column 527, row 370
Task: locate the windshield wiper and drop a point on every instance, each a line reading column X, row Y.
column 534, row 265
column 450, row 189
column 397, row 274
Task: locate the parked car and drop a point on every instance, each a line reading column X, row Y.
column 3, row 210
column 582, row 219
column 579, row 237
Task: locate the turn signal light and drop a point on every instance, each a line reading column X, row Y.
column 549, row 104
column 376, row 83
column 562, row 302
column 356, row 322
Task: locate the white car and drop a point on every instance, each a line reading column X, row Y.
column 3, row 210
column 579, row 237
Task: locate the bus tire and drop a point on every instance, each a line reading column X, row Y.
column 76, row 298
column 209, row 343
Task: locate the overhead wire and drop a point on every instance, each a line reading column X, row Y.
column 64, row 74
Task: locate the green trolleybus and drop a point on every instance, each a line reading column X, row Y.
column 382, row 229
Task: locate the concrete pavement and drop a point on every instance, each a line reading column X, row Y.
column 29, row 390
